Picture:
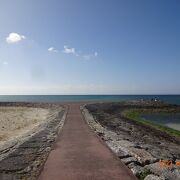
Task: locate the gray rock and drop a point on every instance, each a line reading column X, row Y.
column 125, row 143
column 48, row 149
column 142, row 156
column 131, row 165
column 153, row 177
column 171, row 173
column 129, row 160
column 137, row 169
column 121, row 154
column 4, row 176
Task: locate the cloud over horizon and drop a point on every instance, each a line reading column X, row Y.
column 14, row 38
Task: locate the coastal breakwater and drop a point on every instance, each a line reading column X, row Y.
column 141, row 147
column 24, row 156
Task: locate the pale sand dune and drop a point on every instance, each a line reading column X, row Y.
column 17, row 121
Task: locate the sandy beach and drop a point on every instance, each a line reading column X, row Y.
column 27, row 133
column 16, row 121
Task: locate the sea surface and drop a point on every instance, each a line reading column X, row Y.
column 172, row 99
column 171, row 120
column 166, row 120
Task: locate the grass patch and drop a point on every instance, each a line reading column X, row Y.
column 135, row 115
column 143, row 174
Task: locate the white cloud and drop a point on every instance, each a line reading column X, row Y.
column 52, row 49
column 73, row 51
column 14, row 38
column 70, row 51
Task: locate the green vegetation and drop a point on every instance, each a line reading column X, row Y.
column 143, row 174
column 135, row 115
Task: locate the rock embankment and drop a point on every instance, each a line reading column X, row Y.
column 138, row 146
column 25, row 158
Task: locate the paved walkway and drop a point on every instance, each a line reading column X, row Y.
column 79, row 154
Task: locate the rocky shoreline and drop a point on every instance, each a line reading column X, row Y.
column 140, row 147
column 25, row 158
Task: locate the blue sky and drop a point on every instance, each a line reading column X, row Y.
column 89, row 47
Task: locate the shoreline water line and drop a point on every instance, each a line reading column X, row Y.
column 171, row 99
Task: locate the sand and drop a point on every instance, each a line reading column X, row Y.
column 17, row 121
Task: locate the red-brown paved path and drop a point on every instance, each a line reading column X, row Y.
column 79, row 154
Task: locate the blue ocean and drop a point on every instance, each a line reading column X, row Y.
column 172, row 99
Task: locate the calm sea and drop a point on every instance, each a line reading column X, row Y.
column 173, row 99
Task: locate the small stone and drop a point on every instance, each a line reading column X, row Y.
column 100, row 134
column 153, row 177
column 28, row 169
column 48, row 149
column 37, row 163
column 122, row 154
column 137, row 169
column 142, row 156
column 50, row 140
column 129, row 160
column 131, row 165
